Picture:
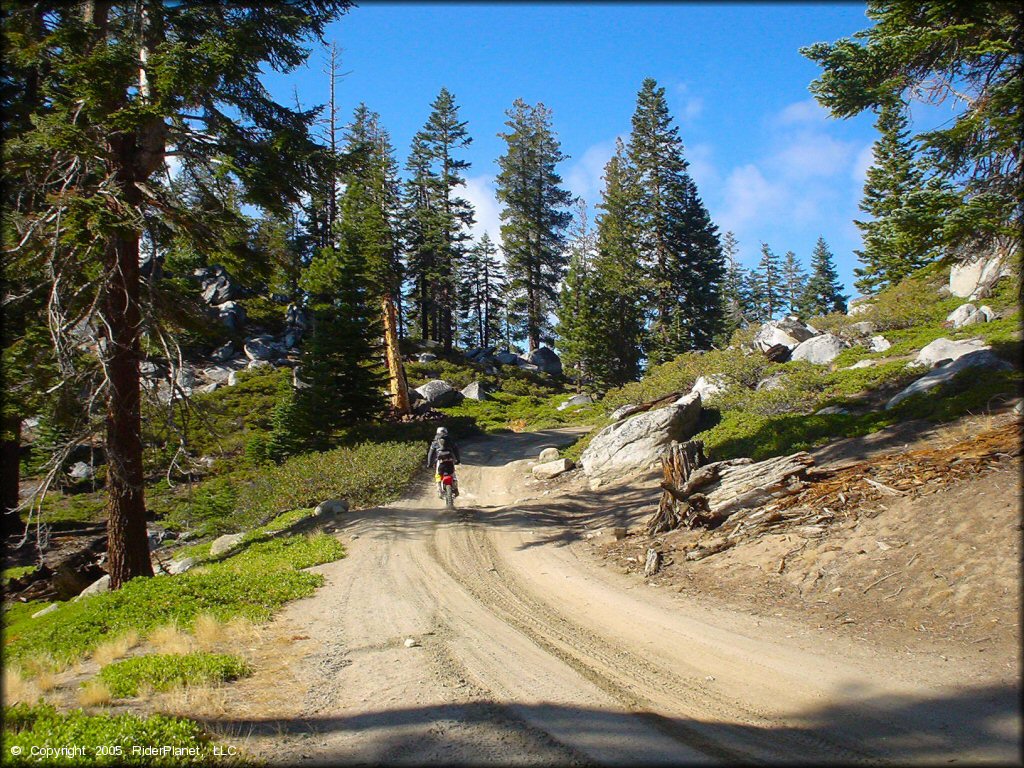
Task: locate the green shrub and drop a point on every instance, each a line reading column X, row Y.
column 161, row 672
column 254, row 583
column 104, row 739
column 16, row 572
column 367, row 474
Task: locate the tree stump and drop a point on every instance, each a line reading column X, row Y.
column 678, row 463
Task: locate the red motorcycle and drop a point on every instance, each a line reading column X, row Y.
column 445, row 477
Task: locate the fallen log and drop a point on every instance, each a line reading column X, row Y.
column 748, row 486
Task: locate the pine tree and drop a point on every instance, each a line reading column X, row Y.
column 793, row 279
column 678, row 243
column 481, row 294
column 767, row 286
column 436, row 219
column 613, row 327
column 574, row 299
column 823, row 293
column 900, row 236
column 736, row 299
column 534, row 216
column 115, row 85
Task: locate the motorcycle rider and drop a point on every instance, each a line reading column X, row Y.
column 444, row 449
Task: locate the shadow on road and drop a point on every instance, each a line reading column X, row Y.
column 977, row 722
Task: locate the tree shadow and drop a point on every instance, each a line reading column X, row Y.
column 981, row 724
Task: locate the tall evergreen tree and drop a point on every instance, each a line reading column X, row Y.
column 793, row 279
column 574, row 299
column 767, row 286
column 533, row 215
column 483, row 281
column 115, row 84
column 678, row 243
column 736, row 298
column 613, row 328
column 902, row 234
column 437, row 219
column 823, row 293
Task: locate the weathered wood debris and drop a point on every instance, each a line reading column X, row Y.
column 727, row 496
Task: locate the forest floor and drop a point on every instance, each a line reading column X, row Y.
column 515, row 630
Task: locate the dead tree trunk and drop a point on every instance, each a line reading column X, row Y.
column 677, row 464
column 399, row 387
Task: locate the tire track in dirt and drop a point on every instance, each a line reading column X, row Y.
column 472, row 560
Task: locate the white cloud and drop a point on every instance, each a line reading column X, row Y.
column 702, row 166
column 584, row 178
column 811, row 153
column 865, row 159
column 749, row 197
column 807, row 111
column 479, row 191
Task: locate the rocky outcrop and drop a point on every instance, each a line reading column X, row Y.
column 231, row 314
column 775, row 381
column 439, row 394
column 546, row 360
column 224, row 352
column 789, row 332
column 552, row 469
column 637, row 443
column 476, row 391
column 548, row 454
column 331, row 507
column 968, row 314
column 981, row 358
column 710, row 386
column 226, row 543
column 879, row 344
column 261, row 348
column 946, row 349
column 858, row 306
column 583, row 399
column 506, row 358
column 820, row 350
column 975, row 279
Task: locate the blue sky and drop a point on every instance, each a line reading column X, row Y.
column 768, row 162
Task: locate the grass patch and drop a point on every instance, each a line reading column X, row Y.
column 42, row 726
column 253, row 584
column 161, row 672
column 16, row 572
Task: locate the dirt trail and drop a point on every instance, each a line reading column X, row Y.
column 525, row 650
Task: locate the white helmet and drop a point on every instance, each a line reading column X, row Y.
column 442, row 432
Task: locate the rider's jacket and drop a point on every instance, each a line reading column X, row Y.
column 440, row 444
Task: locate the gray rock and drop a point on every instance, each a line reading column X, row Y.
column 621, row 412
column 180, row 566
column 150, row 370
column 157, row 536
column 219, row 289
column 879, row 344
column 206, row 389
column 439, row 394
column 426, row 357
column 224, row 352
column 830, row 410
column 866, row 363
column 218, row 373
column 296, row 318
column 710, row 386
column 254, row 364
column 331, row 507
column 102, row 584
column 863, row 328
column 960, row 314
column 546, row 360
column 975, row 278
column 233, row 379
column 638, row 442
column 476, row 391
column 81, row 471
column 789, row 332
column 1019, row 407
column 582, row 399
column 820, row 350
column 506, row 358
column 775, row 381
column 48, row 609
column 226, row 543
column 858, row 306
column 231, row 314
column 548, row 454
column 297, row 381
column 552, row 469
column 947, row 349
column 980, row 315
column 982, row 358
column 260, row 348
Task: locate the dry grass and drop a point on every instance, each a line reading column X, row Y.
column 241, row 630
column 170, row 639
column 41, row 665
column 195, row 701
column 94, row 693
column 210, row 632
column 112, row 650
column 18, row 688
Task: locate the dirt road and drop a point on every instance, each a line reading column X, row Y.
column 487, row 635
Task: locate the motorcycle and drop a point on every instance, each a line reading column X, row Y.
column 445, row 476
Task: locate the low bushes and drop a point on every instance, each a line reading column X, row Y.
column 103, row 739
column 254, row 584
column 163, row 671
